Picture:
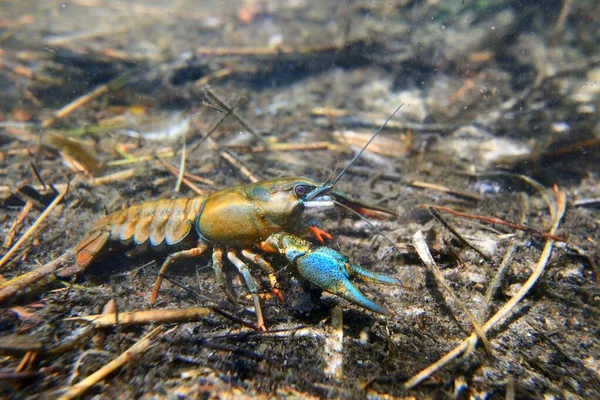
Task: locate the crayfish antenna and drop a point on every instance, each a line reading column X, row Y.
column 368, row 222
column 326, row 187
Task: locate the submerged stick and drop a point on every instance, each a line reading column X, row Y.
column 495, row 221
column 10, row 288
column 458, row 193
column 15, row 226
column 130, row 354
column 237, row 164
column 231, row 110
column 508, row 306
column 425, row 255
column 144, row 317
column 457, row 234
column 86, row 98
column 334, row 345
column 33, row 227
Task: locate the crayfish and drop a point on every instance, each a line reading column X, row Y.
column 234, row 222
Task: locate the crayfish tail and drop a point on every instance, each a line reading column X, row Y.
column 87, row 249
column 85, row 252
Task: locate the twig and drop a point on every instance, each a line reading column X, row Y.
column 33, row 227
column 114, row 177
column 27, row 360
column 232, row 317
column 586, row 202
column 39, row 177
column 75, row 104
column 63, row 40
column 138, row 8
column 425, row 255
column 237, row 116
column 583, row 147
column 460, row 237
column 213, row 307
column 129, row 159
column 495, row 221
column 197, row 178
column 10, row 288
column 18, row 344
column 562, row 17
column 77, row 364
column 130, row 354
column 176, row 172
column 506, row 261
column 20, row 218
column 269, row 50
column 181, row 167
column 144, row 317
column 496, row 282
column 282, row 147
column 215, row 126
column 334, row 345
column 507, row 308
column 17, row 69
column 458, row 193
column 216, row 75
column 237, row 164
column 510, row 388
column 369, row 120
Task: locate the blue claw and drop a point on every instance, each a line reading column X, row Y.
column 370, row 276
column 328, row 269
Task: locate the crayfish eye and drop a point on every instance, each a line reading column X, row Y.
column 301, row 190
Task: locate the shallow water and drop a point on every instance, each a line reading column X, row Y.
column 500, row 103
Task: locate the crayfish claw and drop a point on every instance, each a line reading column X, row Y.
column 370, row 276
column 327, row 269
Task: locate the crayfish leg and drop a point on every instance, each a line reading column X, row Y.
column 320, row 233
column 268, row 268
column 180, row 255
column 217, row 259
column 245, row 271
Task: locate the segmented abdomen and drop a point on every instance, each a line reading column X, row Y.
column 168, row 220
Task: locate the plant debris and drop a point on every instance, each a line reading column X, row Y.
column 491, row 165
